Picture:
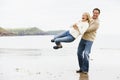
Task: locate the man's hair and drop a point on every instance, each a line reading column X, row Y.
column 96, row 9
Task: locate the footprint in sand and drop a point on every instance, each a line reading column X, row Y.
column 38, row 73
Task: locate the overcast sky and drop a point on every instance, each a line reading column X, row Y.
column 58, row 14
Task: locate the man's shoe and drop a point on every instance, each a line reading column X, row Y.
column 52, row 40
column 78, row 71
column 57, row 47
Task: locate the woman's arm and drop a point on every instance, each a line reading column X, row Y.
column 75, row 27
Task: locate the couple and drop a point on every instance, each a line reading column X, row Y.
column 86, row 27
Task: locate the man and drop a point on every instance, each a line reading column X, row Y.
column 86, row 42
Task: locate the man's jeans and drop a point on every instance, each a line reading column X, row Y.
column 63, row 37
column 83, row 52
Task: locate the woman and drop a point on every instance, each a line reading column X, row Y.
column 75, row 30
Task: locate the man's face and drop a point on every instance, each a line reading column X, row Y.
column 96, row 14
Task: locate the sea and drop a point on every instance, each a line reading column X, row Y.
column 44, row 42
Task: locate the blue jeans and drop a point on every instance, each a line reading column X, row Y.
column 83, row 52
column 63, row 37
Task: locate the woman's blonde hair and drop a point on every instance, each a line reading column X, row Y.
column 88, row 16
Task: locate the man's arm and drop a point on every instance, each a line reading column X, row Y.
column 93, row 27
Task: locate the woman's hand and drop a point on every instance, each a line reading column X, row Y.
column 75, row 27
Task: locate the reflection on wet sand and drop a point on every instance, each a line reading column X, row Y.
column 84, row 76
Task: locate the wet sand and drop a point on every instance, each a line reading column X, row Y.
column 48, row 64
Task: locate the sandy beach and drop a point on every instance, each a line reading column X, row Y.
column 33, row 58
column 36, row 64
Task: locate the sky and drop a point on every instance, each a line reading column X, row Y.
column 58, row 14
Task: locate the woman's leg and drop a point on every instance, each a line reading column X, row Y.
column 62, row 34
column 68, row 38
column 63, row 37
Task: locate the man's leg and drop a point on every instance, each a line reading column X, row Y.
column 85, row 66
column 81, row 48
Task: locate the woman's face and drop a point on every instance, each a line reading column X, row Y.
column 84, row 17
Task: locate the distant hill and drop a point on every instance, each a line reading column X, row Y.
column 54, row 32
column 4, row 32
column 27, row 31
column 32, row 31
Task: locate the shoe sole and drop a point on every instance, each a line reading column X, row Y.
column 57, row 47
